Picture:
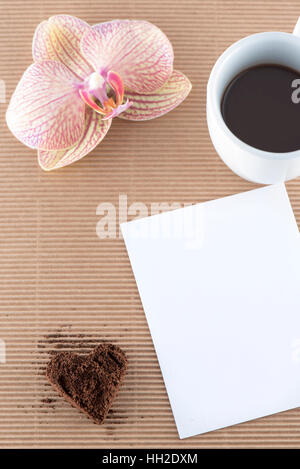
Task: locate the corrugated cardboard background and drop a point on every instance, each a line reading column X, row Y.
column 64, row 288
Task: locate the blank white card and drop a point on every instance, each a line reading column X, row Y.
column 220, row 286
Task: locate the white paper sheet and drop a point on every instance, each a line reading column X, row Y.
column 220, row 286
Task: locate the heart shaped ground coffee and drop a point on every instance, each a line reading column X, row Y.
column 91, row 382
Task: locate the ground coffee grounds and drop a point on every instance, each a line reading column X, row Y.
column 89, row 383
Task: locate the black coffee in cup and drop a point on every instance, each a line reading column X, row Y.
column 259, row 107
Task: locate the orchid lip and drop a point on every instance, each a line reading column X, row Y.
column 104, row 92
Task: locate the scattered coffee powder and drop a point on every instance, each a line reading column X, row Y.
column 89, row 383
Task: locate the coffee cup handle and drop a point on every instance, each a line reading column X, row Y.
column 296, row 31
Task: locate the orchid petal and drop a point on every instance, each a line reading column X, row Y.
column 137, row 50
column 145, row 107
column 45, row 110
column 94, row 131
column 59, row 39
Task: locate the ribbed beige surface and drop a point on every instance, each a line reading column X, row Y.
column 64, row 288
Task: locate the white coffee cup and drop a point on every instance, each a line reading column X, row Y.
column 248, row 162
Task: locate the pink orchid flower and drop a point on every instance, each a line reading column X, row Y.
column 83, row 76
